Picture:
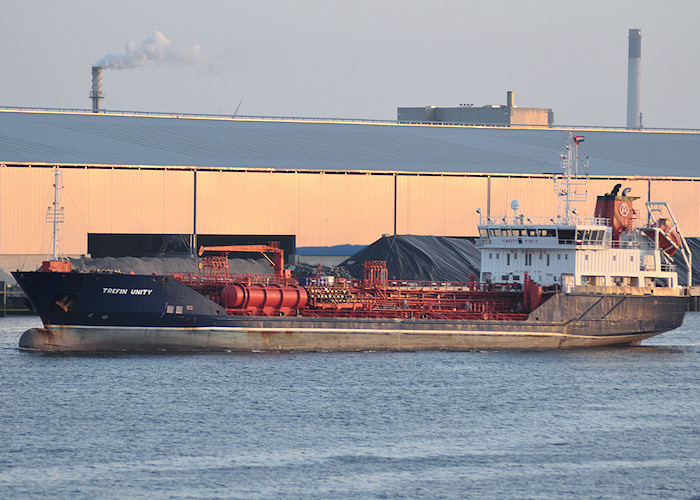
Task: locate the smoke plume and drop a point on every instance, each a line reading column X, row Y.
column 157, row 49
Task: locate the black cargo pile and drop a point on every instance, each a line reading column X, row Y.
column 425, row 258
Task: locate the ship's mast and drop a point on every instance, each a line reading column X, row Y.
column 55, row 213
column 570, row 186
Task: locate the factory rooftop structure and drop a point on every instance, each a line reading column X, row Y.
column 494, row 114
column 77, row 137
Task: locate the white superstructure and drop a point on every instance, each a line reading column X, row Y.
column 578, row 254
column 615, row 248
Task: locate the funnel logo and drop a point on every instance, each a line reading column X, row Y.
column 624, row 210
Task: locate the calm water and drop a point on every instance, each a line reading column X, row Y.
column 620, row 422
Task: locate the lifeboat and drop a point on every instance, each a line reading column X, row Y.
column 669, row 240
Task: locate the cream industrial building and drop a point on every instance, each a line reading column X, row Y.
column 322, row 182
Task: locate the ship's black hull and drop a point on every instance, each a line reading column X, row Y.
column 97, row 312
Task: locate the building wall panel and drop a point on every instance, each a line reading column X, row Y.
column 232, row 202
column 127, row 201
column 529, row 116
column 25, row 195
column 320, row 208
column 439, row 205
column 334, row 206
column 535, row 194
column 683, row 197
column 94, row 200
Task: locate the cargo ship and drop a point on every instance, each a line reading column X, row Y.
column 557, row 283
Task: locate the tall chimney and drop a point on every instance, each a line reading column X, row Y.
column 510, row 102
column 96, row 95
column 634, row 74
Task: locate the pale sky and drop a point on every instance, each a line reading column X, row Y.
column 358, row 58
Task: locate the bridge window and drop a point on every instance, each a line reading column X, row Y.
column 566, row 236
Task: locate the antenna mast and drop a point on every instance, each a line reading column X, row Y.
column 55, row 213
column 570, row 186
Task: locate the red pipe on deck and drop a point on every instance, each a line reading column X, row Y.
column 269, row 300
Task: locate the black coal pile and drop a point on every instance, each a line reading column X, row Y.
column 164, row 265
column 424, row 258
column 301, row 271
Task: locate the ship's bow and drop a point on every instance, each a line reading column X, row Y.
column 38, row 339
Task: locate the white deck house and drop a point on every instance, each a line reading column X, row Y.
column 614, row 248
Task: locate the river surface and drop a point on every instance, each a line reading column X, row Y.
column 603, row 423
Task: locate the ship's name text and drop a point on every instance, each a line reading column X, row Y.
column 127, row 291
column 519, row 240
